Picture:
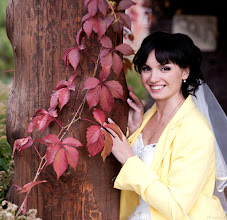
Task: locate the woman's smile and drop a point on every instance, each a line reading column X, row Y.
column 157, row 88
column 162, row 81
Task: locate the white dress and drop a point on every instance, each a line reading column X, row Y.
column 145, row 153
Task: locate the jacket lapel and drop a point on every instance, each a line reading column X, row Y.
column 168, row 134
column 163, row 145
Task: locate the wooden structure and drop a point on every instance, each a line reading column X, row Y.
column 40, row 32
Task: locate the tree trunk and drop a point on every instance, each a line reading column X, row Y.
column 40, row 32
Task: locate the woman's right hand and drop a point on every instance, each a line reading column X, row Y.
column 136, row 111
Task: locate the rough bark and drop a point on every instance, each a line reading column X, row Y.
column 40, row 32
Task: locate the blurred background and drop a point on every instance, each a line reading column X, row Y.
column 6, row 78
column 203, row 20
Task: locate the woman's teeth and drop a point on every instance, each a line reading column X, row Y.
column 157, row 87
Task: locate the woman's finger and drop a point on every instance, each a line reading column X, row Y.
column 112, row 132
column 116, row 130
column 134, row 105
column 111, row 121
column 130, row 89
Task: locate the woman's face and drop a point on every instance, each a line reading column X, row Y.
column 162, row 81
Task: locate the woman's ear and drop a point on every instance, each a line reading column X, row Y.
column 186, row 73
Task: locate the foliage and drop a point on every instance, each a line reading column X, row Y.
column 6, row 163
column 6, row 180
column 5, row 149
column 61, row 151
column 6, row 52
column 8, row 212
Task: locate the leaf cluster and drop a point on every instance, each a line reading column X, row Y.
column 62, row 151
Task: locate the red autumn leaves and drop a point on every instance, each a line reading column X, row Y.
column 99, row 138
column 61, row 153
column 102, row 13
column 109, row 57
column 103, row 92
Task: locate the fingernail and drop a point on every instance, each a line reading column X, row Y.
column 129, row 100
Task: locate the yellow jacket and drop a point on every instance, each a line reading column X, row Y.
column 180, row 182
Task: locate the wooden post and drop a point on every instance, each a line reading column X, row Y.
column 40, row 32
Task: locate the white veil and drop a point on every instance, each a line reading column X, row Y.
column 208, row 105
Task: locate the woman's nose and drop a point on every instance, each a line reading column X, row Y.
column 154, row 77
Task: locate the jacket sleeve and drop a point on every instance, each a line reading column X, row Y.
column 193, row 153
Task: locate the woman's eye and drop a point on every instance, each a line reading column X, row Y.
column 146, row 68
column 165, row 68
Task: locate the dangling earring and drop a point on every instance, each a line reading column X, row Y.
column 184, row 80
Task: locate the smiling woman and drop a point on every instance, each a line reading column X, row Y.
column 163, row 80
column 169, row 159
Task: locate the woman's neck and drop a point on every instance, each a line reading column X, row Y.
column 167, row 108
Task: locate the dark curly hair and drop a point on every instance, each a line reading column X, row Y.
column 173, row 48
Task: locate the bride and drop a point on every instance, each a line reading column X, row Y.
column 168, row 160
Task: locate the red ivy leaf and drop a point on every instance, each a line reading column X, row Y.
column 93, row 96
column 109, row 20
column 116, row 88
column 103, row 6
column 99, row 26
column 27, row 187
column 21, row 144
column 97, row 146
column 72, row 85
column 88, row 26
column 101, row 139
column 106, row 42
column 104, row 73
column 61, row 93
column 72, row 156
column 54, row 100
column 49, row 139
column 125, row 20
column 60, row 97
column 117, row 64
column 63, row 97
column 125, row 4
column 61, row 154
column 92, row 8
column 108, row 145
column 104, row 52
column 61, row 84
column 85, row 3
column 74, row 57
column 106, row 60
column 93, row 133
column 65, row 57
column 51, row 153
column 41, row 119
column 72, row 142
column 106, row 100
column 91, row 83
column 99, row 116
column 118, row 26
column 124, row 49
column 85, row 17
column 79, row 36
column 103, row 92
column 127, row 64
column 60, row 163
